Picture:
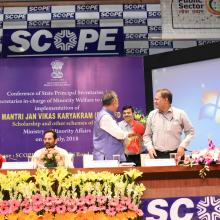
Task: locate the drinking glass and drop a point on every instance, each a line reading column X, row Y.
column 116, row 157
column 173, row 155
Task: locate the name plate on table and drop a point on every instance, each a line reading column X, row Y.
column 17, row 165
column 127, row 164
column 101, row 163
column 159, row 162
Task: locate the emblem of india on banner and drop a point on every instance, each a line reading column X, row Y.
column 57, row 67
column 190, row 19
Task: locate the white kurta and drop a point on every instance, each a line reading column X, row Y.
column 67, row 157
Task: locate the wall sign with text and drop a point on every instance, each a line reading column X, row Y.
column 74, row 41
column 63, row 94
column 186, row 208
column 194, row 19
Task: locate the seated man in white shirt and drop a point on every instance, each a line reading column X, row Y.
column 51, row 151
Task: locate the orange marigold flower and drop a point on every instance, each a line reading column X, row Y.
column 46, row 216
column 121, row 216
column 70, row 216
column 30, row 216
column 101, row 216
column 89, row 215
column 67, row 215
column 49, row 216
column 2, row 217
column 59, row 216
column 13, row 216
column 81, row 216
column 21, row 215
column 118, row 217
column 131, row 214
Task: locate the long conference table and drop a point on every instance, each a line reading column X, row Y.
column 169, row 181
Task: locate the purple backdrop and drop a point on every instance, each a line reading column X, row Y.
column 62, row 94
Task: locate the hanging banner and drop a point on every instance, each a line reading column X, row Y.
column 61, row 42
column 62, row 94
column 190, row 19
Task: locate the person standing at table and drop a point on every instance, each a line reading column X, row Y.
column 127, row 125
column 107, row 135
column 164, row 128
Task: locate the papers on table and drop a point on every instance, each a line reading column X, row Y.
column 147, row 162
column 101, row 163
column 88, row 162
column 127, row 164
column 159, row 162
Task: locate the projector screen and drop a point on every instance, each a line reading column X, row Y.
column 196, row 90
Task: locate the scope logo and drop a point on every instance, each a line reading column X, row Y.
column 205, row 42
column 160, row 44
column 87, row 22
column 193, row 208
column 154, row 14
column 155, row 29
column 87, row 8
column 15, row 17
column 39, row 9
column 111, row 14
column 135, row 21
column 63, row 16
column 63, row 41
column 39, row 24
column 134, row 7
column 213, row 6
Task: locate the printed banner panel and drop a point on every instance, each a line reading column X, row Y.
column 62, row 94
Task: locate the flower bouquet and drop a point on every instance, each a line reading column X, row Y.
column 2, row 159
column 205, row 157
column 134, row 143
column 140, row 116
column 51, row 158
